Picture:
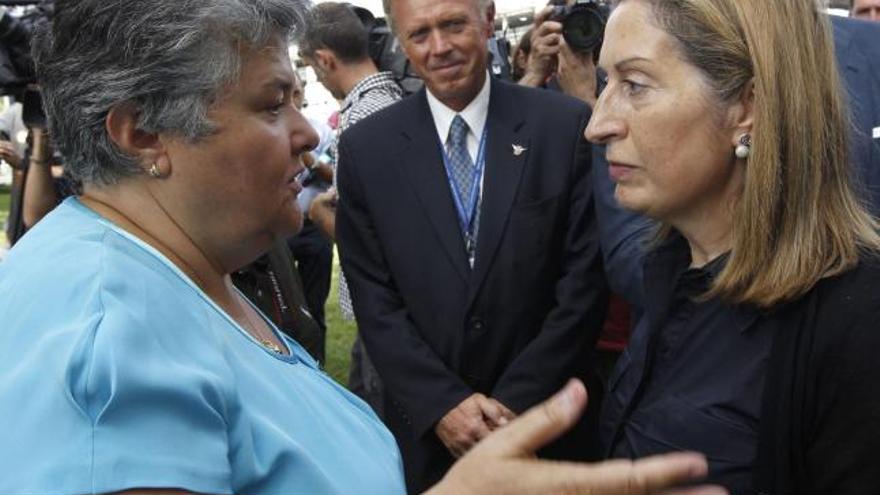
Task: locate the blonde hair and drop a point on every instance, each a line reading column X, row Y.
column 797, row 219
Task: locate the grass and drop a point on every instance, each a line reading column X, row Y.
column 340, row 333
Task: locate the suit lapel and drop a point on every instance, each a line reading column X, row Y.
column 503, row 170
column 422, row 165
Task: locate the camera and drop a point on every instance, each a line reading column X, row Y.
column 386, row 52
column 18, row 20
column 583, row 24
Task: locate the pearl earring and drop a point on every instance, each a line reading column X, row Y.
column 745, row 147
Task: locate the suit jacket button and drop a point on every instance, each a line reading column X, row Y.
column 477, row 325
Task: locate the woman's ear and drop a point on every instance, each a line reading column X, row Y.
column 742, row 114
column 146, row 147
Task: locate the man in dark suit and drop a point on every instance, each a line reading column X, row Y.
column 465, row 227
column 857, row 45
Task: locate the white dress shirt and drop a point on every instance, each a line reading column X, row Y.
column 474, row 114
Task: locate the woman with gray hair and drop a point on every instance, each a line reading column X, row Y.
column 150, row 372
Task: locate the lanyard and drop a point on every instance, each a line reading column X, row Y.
column 467, row 211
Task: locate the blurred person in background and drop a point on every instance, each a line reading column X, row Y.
column 868, row 10
column 13, row 135
column 12, row 147
column 519, row 59
column 312, row 251
column 335, row 44
column 39, row 180
column 758, row 289
column 858, row 58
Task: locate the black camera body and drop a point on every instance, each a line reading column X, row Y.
column 17, row 76
column 583, row 24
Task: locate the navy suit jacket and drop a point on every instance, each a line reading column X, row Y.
column 519, row 324
column 857, row 45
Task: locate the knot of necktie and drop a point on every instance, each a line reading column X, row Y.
column 458, row 132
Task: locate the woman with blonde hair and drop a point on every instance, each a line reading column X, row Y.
column 722, row 119
column 150, row 373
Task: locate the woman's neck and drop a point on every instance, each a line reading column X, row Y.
column 138, row 213
column 708, row 236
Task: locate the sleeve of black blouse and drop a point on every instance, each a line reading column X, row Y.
column 843, row 434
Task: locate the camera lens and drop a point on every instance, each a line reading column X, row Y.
column 583, row 29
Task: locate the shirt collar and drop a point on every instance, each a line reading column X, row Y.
column 372, row 81
column 474, row 114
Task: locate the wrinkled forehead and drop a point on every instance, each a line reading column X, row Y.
column 409, row 14
column 631, row 34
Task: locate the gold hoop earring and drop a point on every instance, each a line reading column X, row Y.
column 154, row 171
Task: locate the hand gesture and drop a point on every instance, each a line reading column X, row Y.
column 504, row 462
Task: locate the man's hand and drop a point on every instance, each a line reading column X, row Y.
column 8, row 153
column 545, row 49
column 504, row 462
column 496, row 413
column 576, row 74
column 470, row 421
column 308, row 159
column 323, row 212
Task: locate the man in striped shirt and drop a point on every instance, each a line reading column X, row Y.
column 335, row 44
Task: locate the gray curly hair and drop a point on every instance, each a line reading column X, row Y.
column 168, row 58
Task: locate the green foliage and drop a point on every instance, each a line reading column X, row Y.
column 340, row 333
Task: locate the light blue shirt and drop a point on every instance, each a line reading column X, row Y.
column 117, row 372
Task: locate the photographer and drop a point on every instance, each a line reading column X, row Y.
column 39, row 182
column 553, row 63
column 11, row 151
column 45, row 184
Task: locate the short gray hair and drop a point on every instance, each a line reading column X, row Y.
column 168, row 58
column 482, row 5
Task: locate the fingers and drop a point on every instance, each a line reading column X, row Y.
column 463, row 426
column 621, row 477
column 507, row 414
column 578, row 60
column 540, row 424
column 493, row 412
column 697, row 490
column 566, row 55
column 649, row 475
column 547, row 30
column 308, row 159
column 543, row 15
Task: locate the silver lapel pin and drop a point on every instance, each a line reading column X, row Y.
column 517, row 149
